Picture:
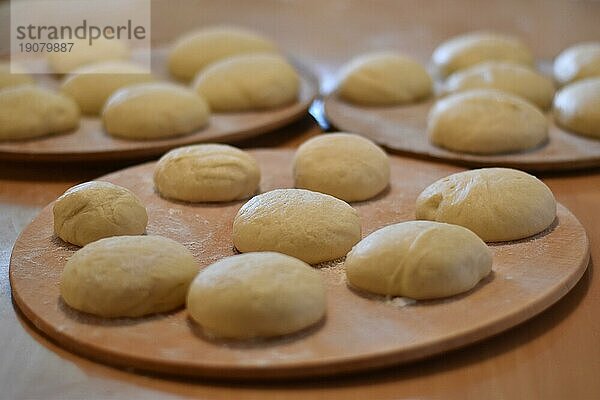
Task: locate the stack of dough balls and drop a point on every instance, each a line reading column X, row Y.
column 311, row 226
column 96, row 210
column 28, row 111
column 498, row 204
column 128, row 276
column 154, row 111
column 82, row 53
column 577, row 107
column 207, row 173
column 256, row 295
column 577, row 62
column 384, row 79
column 343, row 165
column 419, row 259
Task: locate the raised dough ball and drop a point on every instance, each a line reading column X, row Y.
column 577, row 62
column 343, row 165
column 18, row 76
column 485, row 121
column 29, row 111
column 194, row 51
column 248, row 82
column 95, row 210
column 206, row 173
column 512, row 78
column 256, row 295
column 383, row 79
column 418, row 259
column 81, row 53
column 498, row 204
column 154, row 111
column 128, row 276
column 311, row 226
column 90, row 86
column 577, row 107
column 473, row 48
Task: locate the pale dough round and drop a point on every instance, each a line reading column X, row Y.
column 95, row 210
column 248, row 82
column 472, row 48
column 154, row 110
column 17, row 77
column 486, row 121
column 577, row 62
column 207, row 173
column 577, row 107
column 128, row 276
column 344, row 165
column 81, row 53
column 384, row 79
column 193, row 52
column 418, row 259
column 498, row 204
column 91, row 85
column 28, row 111
column 508, row 77
column 256, row 295
column 311, row 226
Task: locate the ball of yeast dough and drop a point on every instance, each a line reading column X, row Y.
column 16, row 77
column 91, row 85
column 577, row 62
column 473, row 48
column 512, row 78
column 485, row 121
column 418, row 259
column 128, row 276
column 311, row 226
column 383, row 79
column 28, row 111
column 207, row 173
column 577, row 107
column 154, row 110
column 95, row 210
column 248, row 82
column 256, row 295
column 81, row 53
column 196, row 50
column 498, row 204
column 344, row 165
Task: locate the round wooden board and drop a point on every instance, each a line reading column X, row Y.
column 402, row 129
column 359, row 332
column 91, row 143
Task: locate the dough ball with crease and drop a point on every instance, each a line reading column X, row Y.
column 577, row 62
column 13, row 77
column 28, row 111
column 95, row 210
column 128, row 276
column 472, row 48
column 91, row 85
column 498, row 204
column 311, row 226
column 207, row 173
column 384, row 79
column 486, row 121
column 81, row 53
column 256, row 295
column 196, row 50
column 577, row 107
column 154, row 110
column 418, row 259
column 343, row 165
column 512, row 78
column 248, row 82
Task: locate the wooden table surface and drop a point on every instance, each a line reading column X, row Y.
column 553, row 356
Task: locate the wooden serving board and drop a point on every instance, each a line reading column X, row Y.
column 91, row 143
column 359, row 332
